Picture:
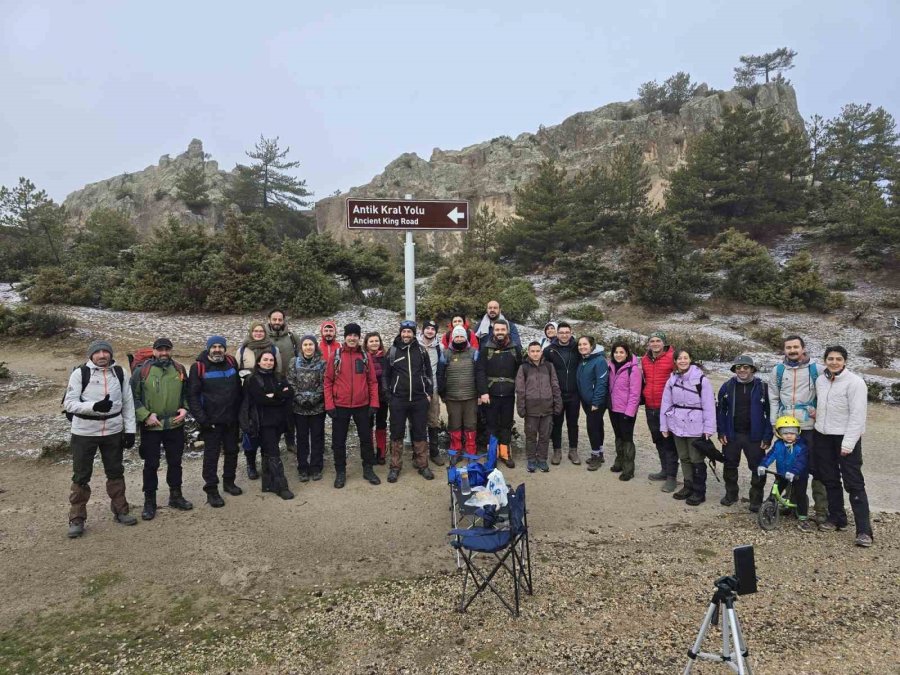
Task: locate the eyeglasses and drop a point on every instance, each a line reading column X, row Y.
column 743, row 367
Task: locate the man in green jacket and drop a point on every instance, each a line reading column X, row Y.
column 288, row 346
column 159, row 386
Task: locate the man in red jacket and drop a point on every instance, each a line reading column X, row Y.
column 351, row 390
column 329, row 344
column 657, row 365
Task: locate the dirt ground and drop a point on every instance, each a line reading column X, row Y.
column 363, row 579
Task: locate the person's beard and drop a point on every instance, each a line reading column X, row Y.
column 217, row 358
column 501, row 339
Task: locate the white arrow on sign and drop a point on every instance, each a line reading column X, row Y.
column 456, row 216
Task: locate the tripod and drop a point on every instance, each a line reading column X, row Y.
column 734, row 649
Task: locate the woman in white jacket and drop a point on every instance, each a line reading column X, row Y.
column 837, row 443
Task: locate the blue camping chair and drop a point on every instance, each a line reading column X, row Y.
column 506, row 549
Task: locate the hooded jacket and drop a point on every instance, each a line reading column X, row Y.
column 842, row 401
column 352, row 383
column 688, row 405
column 656, row 374
column 760, row 425
column 89, row 422
column 407, row 371
column 214, row 398
column 565, row 359
column 537, row 389
column 163, row 392
column 496, row 368
column 307, row 379
column 593, row 378
column 792, row 390
column 625, row 387
column 328, row 348
column 788, row 458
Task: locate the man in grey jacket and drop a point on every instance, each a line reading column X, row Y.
column 840, row 425
column 792, row 391
column 101, row 409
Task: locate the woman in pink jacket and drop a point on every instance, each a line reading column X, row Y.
column 624, row 398
column 688, row 412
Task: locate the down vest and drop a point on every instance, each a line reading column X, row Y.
column 656, row 375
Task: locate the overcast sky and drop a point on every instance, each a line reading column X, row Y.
column 89, row 90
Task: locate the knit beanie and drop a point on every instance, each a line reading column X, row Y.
column 459, row 331
column 216, row 340
column 99, row 345
column 352, row 329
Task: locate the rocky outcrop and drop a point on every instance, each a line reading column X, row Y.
column 487, row 173
column 149, row 196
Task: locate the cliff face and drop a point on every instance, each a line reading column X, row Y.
column 487, row 173
column 148, row 196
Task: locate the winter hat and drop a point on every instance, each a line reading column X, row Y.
column 743, row 360
column 550, row 323
column 308, row 336
column 97, row 346
column 162, row 343
column 216, row 340
column 352, row 329
column 459, row 331
column 430, row 322
column 657, row 334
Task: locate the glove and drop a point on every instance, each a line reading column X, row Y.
column 789, row 476
column 128, row 441
column 761, row 471
column 103, row 406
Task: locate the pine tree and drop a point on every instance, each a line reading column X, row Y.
column 663, row 270
column 105, row 233
column 481, row 239
column 861, row 146
column 192, row 187
column 35, row 225
column 752, row 66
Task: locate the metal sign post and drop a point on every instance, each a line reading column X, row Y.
column 409, row 274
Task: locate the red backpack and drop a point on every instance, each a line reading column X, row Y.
column 141, row 359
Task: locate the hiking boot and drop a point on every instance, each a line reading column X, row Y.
column 510, row 462
column 177, row 500
column 616, row 467
column 594, row 462
column 302, row 475
column 828, row 526
column 695, row 499
column 863, row 540
column 818, row 518
column 658, row 476
column 731, row 497
column 370, row 475
column 149, row 511
column 556, row 458
column 531, row 467
column 76, row 529
column 755, row 506
column 340, row 479
column 393, row 475
column 425, row 472
column 231, row 488
column 626, row 476
column 285, row 494
column 806, row 526
column 252, row 473
column 317, row 475
column 575, row 459
column 543, row 467
column 124, row 519
column 214, row 499
column 685, row 492
column 436, row 459
column 670, row 484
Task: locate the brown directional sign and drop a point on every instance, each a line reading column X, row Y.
column 403, row 214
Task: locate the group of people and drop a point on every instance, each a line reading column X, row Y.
column 278, row 385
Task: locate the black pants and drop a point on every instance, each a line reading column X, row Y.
column 272, row 478
column 340, row 427
column 499, row 417
column 741, row 443
column 832, row 468
column 623, row 426
column 380, row 416
column 290, row 432
column 594, row 421
column 310, row 442
column 152, row 443
column 84, row 449
column 416, row 412
column 569, row 415
column 219, row 438
column 798, row 492
column 665, row 447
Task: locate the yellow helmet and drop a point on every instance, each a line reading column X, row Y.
column 787, row 422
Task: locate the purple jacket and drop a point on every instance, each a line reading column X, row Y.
column 625, row 387
column 685, row 412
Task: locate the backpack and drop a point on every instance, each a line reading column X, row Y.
column 86, row 378
column 779, row 373
column 142, row 361
column 365, row 359
column 201, row 367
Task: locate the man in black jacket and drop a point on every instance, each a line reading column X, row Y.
column 214, row 397
column 408, row 377
column 562, row 352
column 495, row 378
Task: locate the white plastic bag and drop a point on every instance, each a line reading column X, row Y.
column 497, row 485
column 481, row 497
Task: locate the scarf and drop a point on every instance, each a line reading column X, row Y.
column 257, row 345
